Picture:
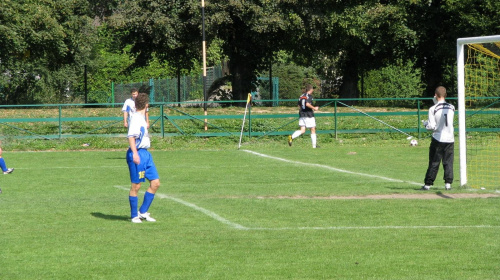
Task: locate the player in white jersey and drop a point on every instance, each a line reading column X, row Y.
column 129, row 108
column 442, row 146
column 140, row 162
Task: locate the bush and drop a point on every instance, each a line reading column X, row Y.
column 393, row 81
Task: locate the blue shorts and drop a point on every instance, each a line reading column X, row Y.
column 146, row 169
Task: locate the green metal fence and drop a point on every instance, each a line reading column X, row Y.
column 57, row 121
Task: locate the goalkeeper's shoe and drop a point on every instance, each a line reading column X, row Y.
column 290, row 140
column 447, row 186
column 10, row 170
column 136, row 220
column 426, row 188
column 146, row 216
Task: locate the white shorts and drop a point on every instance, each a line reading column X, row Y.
column 307, row 122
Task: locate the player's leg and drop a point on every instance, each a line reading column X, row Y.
column 302, row 130
column 134, row 201
column 312, row 125
column 2, row 162
column 299, row 132
column 448, row 157
column 136, row 177
column 154, row 183
column 435, row 156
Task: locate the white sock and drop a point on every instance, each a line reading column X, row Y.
column 296, row 134
column 313, row 139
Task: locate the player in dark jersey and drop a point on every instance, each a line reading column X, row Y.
column 306, row 116
column 440, row 122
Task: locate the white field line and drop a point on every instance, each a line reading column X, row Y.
column 374, row 227
column 332, row 168
column 197, row 208
column 240, row 227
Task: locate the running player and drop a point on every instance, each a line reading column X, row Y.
column 306, row 117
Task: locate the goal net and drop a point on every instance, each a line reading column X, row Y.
column 478, row 107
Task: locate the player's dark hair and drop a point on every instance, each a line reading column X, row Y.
column 132, row 90
column 141, row 101
column 309, row 87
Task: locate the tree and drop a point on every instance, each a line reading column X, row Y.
column 167, row 30
column 44, row 46
column 439, row 24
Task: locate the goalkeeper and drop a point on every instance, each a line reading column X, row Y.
column 440, row 122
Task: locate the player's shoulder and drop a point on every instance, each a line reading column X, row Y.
column 449, row 105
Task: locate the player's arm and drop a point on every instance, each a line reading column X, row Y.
column 147, row 116
column 310, row 106
column 125, row 117
column 133, row 148
column 431, row 122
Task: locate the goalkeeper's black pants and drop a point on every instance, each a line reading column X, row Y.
column 438, row 152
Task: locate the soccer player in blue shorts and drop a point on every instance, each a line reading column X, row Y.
column 3, row 166
column 140, row 162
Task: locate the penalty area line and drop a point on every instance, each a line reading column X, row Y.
column 332, row 168
column 373, row 227
column 197, row 208
column 240, row 227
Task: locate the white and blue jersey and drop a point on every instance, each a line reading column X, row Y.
column 138, row 128
column 129, row 106
column 146, row 169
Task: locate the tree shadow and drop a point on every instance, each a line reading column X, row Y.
column 110, row 217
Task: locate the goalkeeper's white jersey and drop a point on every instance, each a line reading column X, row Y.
column 138, row 128
column 441, row 122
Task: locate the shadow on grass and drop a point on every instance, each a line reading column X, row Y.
column 110, row 217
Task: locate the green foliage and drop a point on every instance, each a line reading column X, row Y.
column 393, row 81
column 292, row 79
column 44, row 45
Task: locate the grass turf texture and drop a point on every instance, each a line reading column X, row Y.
column 66, row 215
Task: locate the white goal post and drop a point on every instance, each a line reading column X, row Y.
column 461, row 42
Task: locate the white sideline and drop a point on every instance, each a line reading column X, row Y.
column 332, row 168
column 240, row 227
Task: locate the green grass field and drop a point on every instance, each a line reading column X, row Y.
column 261, row 212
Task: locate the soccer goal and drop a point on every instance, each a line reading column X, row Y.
column 478, row 66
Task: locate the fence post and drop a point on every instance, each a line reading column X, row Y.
column 418, row 118
column 60, row 121
column 113, row 93
column 335, row 119
column 162, row 122
column 275, row 85
column 151, row 90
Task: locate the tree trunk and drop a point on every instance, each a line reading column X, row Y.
column 349, row 87
column 242, row 78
